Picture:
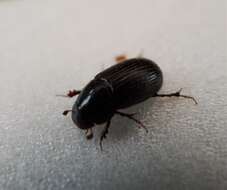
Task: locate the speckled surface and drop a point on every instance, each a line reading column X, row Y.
column 49, row 47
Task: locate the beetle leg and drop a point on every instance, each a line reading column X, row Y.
column 89, row 133
column 121, row 58
column 130, row 116
column 104, row 133
column 140, row 55
column 71, row 93
column 177, row 94
column 67, row 111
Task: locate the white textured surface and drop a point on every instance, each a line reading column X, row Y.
column 50, row 46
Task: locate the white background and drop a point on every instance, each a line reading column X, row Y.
column 50, row 46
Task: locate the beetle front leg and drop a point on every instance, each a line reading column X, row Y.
column 104, row 133
column 177, row 94
column 89, row 133
column 71, row 93
column 66, row 112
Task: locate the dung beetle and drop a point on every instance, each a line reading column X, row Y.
column 122, row 85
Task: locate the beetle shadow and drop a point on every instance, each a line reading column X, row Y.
column 122, row 127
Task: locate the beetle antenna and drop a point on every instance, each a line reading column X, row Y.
column 130, row 116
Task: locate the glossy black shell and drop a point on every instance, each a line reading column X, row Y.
column 117, row 87
column 133, row 81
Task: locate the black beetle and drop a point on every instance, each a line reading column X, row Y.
column 120, row 86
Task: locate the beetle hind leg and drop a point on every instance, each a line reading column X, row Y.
column 120, row 58
column 177, row 94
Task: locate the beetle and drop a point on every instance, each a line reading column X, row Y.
column 120, row 86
